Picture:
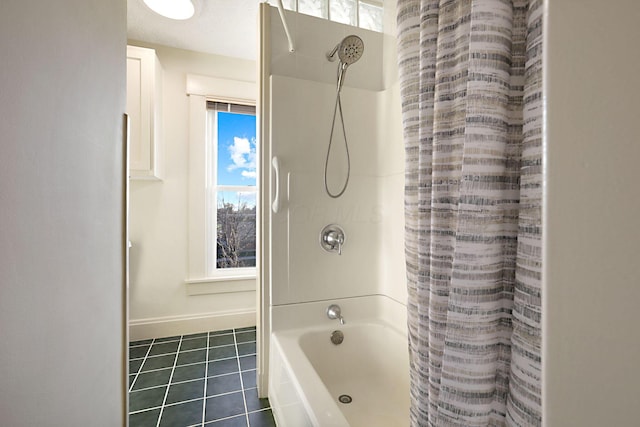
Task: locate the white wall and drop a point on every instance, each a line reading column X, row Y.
column 313, row 39
column 297, row 96
column 391, row 166
column 591, row 261
column 62, row 85
column 391, row 170
column 160, row 303
column 301, row 115
column 371, row 210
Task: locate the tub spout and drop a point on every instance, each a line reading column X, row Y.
column 334, row 312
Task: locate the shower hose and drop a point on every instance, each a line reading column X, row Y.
column 342, row 69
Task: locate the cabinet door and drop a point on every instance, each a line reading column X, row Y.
column 143, row 102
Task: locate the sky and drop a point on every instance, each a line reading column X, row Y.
column 236, row 156
column 236, row 149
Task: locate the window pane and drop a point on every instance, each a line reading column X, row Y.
column 370, row 16
column 343, row 11
column 236, row 231
column 289, row 4
column 236, row 149
column 313, row 7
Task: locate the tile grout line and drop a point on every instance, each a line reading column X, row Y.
column 244, row 399
column 141, row 365
column 222, row 419
column 180, row 402
column 206, row 376
column 153, row 408
column 139, row 411
column 184, row 338
column 188, row 351
column 261, row 410
column 192, row 380
column 166, row 393
column 192, row 350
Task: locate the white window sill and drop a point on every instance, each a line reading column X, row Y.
column 222, row 284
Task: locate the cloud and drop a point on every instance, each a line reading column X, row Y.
column 243, row 156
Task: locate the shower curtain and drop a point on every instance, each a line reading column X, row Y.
column 471, row 91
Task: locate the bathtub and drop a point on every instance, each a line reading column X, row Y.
column 308, row 374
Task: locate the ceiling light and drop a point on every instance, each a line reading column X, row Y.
column 173, row 9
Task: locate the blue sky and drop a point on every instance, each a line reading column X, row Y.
column 236, row 149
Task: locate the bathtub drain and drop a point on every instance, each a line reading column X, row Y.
column 345, row 398
column 337, row 337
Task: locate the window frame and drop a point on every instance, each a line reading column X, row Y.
column 198, row 89
column 212, row 189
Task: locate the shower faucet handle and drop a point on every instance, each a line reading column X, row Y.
column 332, row 238
column 335, row 238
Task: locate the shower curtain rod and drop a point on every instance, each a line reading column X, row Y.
column 284, row 24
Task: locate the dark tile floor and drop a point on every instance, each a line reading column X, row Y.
column 206, row 379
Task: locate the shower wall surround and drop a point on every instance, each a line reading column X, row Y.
column 303, row 271
column 302, row 95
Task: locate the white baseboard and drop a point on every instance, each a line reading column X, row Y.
column 142, row 329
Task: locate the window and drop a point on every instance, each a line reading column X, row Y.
column 365, row 14
column 230, row 187
column 205, row 147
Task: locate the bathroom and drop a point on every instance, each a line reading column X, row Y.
column 171, row 294
column 65, row 224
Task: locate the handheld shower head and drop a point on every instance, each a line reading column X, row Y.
column 349, row 50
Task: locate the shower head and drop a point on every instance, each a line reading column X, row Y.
column 349, row 50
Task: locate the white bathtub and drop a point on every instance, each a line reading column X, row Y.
column 308, row 373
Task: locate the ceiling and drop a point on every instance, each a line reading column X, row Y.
column 220, row 27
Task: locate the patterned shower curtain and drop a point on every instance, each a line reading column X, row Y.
column 471, row 90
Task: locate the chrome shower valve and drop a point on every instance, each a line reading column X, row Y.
column 332, row 238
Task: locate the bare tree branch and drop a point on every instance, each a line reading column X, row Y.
column 236, row 235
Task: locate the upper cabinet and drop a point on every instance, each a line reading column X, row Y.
column 144, row 83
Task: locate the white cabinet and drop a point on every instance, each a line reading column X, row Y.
column 144, row 82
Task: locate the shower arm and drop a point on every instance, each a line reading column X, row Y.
column 331, row 56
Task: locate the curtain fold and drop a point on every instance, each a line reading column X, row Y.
column 471, row 84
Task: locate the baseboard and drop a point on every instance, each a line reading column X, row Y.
column 142, row 329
